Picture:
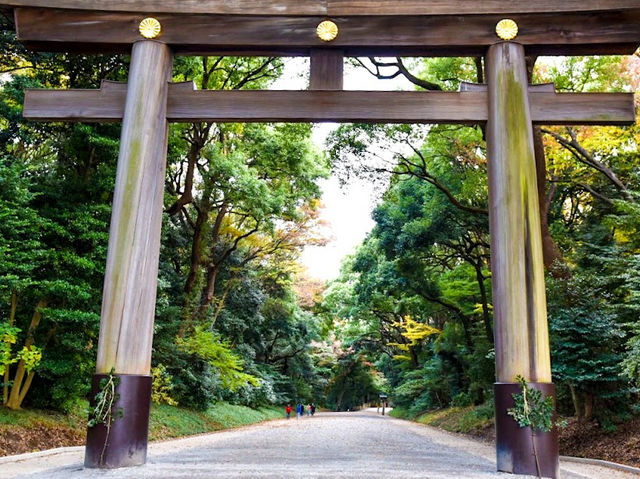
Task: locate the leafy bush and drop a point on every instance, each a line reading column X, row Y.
column 461, row 400
column 162, row 386
column 211, row 348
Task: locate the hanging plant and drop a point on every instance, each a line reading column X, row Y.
column 533, row 411
column 103, row 412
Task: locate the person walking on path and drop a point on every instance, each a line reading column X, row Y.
column 309, row 410
column 288, row 411
column 299, row 410
column 313, row 409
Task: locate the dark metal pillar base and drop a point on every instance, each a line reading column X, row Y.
column 125, row 444
column 515, row 444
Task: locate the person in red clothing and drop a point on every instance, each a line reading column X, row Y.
column 288, row 410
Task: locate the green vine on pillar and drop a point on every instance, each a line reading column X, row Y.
column 103, row 412
column 533, row 411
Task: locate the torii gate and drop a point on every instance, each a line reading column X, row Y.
column 327, row 31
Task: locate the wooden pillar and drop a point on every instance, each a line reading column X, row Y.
column 519, row 300
column 128, row 305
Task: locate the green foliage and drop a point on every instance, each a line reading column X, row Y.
column 242, row 201
column 162, row 386
column 352, row 384
column 531, row 409
column 461, row 400
column 587, row 344
column 428, row 254
column 209, row 347
column 31, row 355
column 631, row 363
column 8, row 337
column 56, row 185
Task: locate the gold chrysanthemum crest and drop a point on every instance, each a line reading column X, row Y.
column 507, row 29
column 327, row 31
column 150, row 28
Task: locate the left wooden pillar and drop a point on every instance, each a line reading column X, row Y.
column 129, row 298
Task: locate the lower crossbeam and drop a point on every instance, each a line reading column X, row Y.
column 466, row 107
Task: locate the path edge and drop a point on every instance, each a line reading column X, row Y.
column 35, row 455
column 570, row 459
column 70, row 449
column 601, row 462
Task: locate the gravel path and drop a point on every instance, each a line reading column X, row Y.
column 331, row 445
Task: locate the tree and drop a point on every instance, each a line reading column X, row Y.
column 586, row 344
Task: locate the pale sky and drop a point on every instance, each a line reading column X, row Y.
column 347, row 210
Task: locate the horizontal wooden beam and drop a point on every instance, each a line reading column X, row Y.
column 329, row 106
column 187, row 105
column 472, row 7
column 334, row 7
column 610, row 32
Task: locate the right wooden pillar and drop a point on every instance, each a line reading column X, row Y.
column 519, row 299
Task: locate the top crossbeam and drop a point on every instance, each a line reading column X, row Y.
column 366, row 27
column 336, row 7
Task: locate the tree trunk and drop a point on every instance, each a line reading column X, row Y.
column 550, row 251
column 576, row 402
column 196, row 248
column 486, row 317
column 221, row 303
column 12, row 320
column 210, row 289
column 339, row 400
column 588, row 405
column 414, row 357
column 18, row 391
column 216, row 264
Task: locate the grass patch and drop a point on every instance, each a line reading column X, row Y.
column 75, row 419
column 466, row 420
column 169, row 421
column 166, row 422
column 401, row 413
column 231, row 415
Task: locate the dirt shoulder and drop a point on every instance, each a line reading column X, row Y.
column 32, row 430
column 20, row 439
column 586, row 440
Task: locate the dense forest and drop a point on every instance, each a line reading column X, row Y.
column 415, row 298
column 237, row 320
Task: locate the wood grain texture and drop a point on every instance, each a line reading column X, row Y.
column 471, row 7
column 517, row 267
column 334, row 7
column 582, row 108
column 317, row 106
column 106, row 104
column 218, row 7
column 329, row 106
column 67, row 30
column 327, row 70
column 129, row 299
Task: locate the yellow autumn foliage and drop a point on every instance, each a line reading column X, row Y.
column 414, row 331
